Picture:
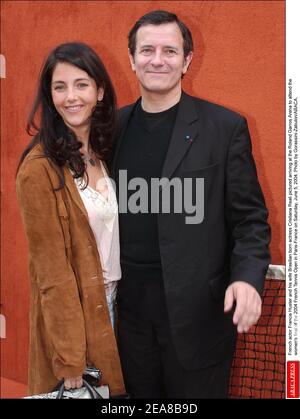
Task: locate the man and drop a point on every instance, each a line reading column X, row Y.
column 187, row 283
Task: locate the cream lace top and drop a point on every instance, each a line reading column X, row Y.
column 102, row 211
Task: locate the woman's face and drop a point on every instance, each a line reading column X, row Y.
column 74, row 95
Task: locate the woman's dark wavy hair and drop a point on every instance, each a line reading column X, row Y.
column 58, row 141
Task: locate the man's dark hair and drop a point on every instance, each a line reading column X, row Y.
column 158, row 17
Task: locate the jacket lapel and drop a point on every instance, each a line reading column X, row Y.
column 73, row 191
column 123, row 123
column 184, row 134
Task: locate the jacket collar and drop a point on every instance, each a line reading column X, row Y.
column 184, row 133
column 38, row 152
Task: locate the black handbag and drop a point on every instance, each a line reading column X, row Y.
column 91, row 390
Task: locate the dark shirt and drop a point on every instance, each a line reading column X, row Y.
column 142, row 154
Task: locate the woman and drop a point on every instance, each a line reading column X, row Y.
column 69, row 211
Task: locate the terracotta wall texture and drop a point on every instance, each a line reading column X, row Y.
column 239, row 62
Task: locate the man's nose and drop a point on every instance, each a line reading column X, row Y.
column 158, row 59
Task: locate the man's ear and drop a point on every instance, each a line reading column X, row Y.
column 131, row 58
column 187, row 62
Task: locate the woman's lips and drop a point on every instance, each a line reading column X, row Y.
column 74, row 109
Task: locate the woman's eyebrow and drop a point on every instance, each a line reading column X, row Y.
column 76, row 80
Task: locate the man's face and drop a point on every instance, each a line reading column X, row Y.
column 159, row 60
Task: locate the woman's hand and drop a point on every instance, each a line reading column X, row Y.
column 73, row 382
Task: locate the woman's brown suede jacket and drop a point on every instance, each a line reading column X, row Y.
column 70, row 325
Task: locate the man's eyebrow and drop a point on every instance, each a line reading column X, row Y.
column 147, row 46
column 165, row 46
column 170, row 46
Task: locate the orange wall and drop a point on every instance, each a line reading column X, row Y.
column 239, row 62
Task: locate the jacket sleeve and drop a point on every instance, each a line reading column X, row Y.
column 246, row 213
column 60, row 301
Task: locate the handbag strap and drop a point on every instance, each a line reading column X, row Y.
column 92, row 391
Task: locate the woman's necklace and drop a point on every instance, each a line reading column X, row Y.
column 86, row 157
column 91, row 161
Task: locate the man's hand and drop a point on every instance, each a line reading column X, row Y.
column 73, row 382
column 248, row 305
